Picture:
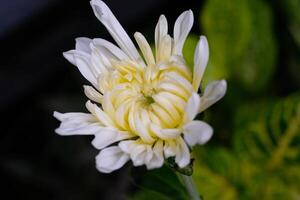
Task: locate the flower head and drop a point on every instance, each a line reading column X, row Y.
column 144, row 106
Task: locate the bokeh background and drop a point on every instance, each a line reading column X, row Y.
column 255, row 151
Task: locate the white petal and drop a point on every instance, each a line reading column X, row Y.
column 182, row 157
column 161, row 30
column 182, row 28
column 108, row 136
column 142, row 129
column 77, row 124
column 83, row 44
column 145, row 48
column 197, row 132
column 170, row 148
column 104, row 14
column 112, row 51
column 213, row 93
column 127, row 145
column 82, row 61
column 110, row 159
column 99, row 114
column 92, row 94
column 200, row 61
column 165, row 50
column 192, row 107
column 138, row 154
column 157, row 159
column 165, row 134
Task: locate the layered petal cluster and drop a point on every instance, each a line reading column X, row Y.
column 142, row 106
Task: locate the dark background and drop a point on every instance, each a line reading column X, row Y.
column 35, row 80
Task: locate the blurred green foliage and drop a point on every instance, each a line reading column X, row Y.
column 255, row 152
column 239, row 33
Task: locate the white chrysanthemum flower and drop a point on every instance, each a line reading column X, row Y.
column 144, row 108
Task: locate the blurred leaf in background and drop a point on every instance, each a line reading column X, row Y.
column 264, row 160
column 290, row 10
column 241, row 40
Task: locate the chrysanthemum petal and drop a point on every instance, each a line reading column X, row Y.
column 192, row 107
column 82, row 61
column 77, row 124
column 139, row 153
column 182, row 28
column 104, row 14
column 102, row 117
column 197, row 132
column 164, row 134
column 200, row 61
column 145, row 48
column 111, row 159
column 157, row 158
column 83, row 44
column 92, row 94
column 109, row 49
column 170, row 148
column 182, row 157
column 213, row 93
column 161, row 30
column 108, row 136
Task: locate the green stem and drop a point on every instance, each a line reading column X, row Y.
column 190, row 186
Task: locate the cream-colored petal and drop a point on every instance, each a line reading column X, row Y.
column 111, row 51
column 192, row 107
column 157, row 158
column 142, row 129
column 100, row 114
column 111, row 159
column 127, row 145
column 170, row 148
column 182, row 28
column 77, row 124
column 92, row 94
column 138, row 154
column 83, row 44
column 164, row 134
column 82, row 61
column 161, row 30
column 108, row 136
column 165, row 49
column 213, row 93
column 197, row 132
column 107, row 18
column 200, row 61
column 145, row 48
column 182, row 157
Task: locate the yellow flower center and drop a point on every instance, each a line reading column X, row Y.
column 139, row 99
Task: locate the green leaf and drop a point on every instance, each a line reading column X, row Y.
column 163, row 181
column 149, row 195
column 267, row 136
column 291, row 8
column 241, row 41
column 211, row 173
column 269, row 132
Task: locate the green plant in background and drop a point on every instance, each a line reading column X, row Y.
column 242, row 41
column 264, row 160
column 291, row 8
column 260, row 159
